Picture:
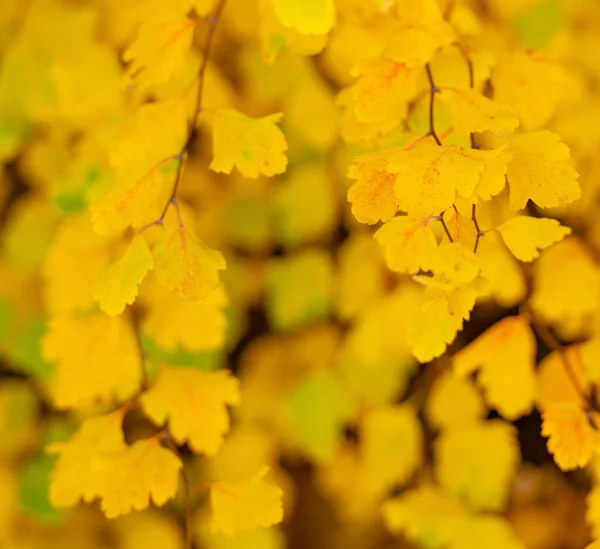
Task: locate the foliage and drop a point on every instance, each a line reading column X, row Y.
column 267, row 262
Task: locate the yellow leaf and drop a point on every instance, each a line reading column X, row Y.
column 144, row 472
column 477, row 462
column 525, row 235
column 493, row 175
column 473, row 112
column 117, row 286
column 84, row 461
column 73, row 262
column 255, row 145
column 194, row 404
column 434, row 325
column 360, row 280
column 409, row 244
column 132, row 154
column 246, row 504
column 430, row 177
column 571, row 439
column 531, row 84
column 172, row 322
column 540, row 171
column 556, row 296
column 456, row 263
column 554, row 383
column 381, row 93
column 372, row 195
column 307, row 17
column 276, row 38
column 184, row 264
column 419, row 31
column 159, row 51
column 505, row 356
column 501, row 272
column 427, row 515
column 391, row 447
column 453, row 400
column 97, row 359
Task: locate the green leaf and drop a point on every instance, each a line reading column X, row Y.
column 317, row 408
column 26, row 351
column 33, row 489
column 202, row 360
column 537, row 23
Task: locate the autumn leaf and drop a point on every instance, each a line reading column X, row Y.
column 85, row 460
column 193, row 403
column 477, row 462
column 555, row 297
column 245, row 504
column 372, row 195
column 184, row 264
column 524, row 235
column 419, row 31
column 435, row 323
column 315, row 17
column 427, row 514
column 532, row 84
column 540, row 171
column 97, row 359
column 380, row 95
column 409, row 244
column 391, row 447
column 473, row 112
column 505, row 356
column 142, row 474
column 117, row 286
column 255, row 145
column 571, row 439
column 430, row 177
column 159, row 51
column 454, row 400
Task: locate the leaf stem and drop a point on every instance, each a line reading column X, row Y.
column 440, row 218
column 480, row 233
column 432, row 91
column 192, row 123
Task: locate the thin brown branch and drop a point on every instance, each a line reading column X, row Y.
column 480, row 233
column 440, row 218
column 193, row 122
column 432, row 91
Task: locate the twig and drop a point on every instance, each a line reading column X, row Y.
column 432, row 91
column 480, row 233
column 440, row 218
column 213, row 20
